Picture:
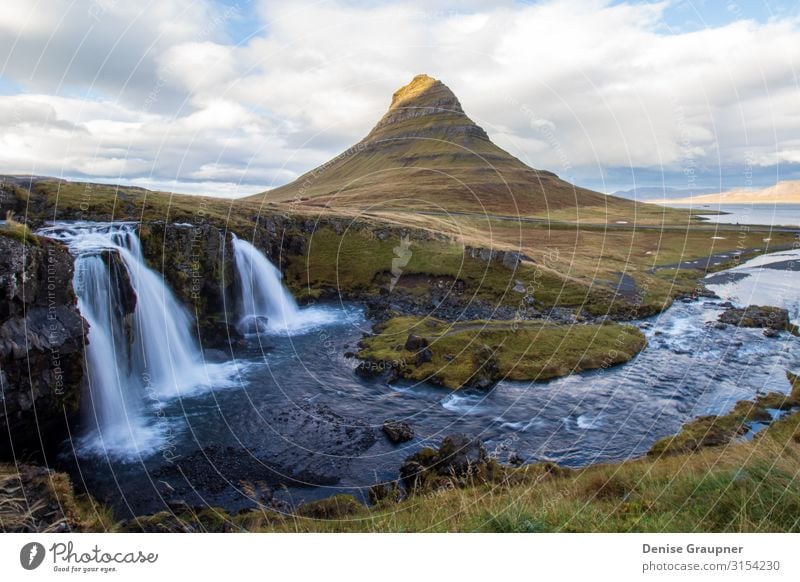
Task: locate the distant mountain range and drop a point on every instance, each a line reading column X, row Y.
column 785, row 192
column 650, row 193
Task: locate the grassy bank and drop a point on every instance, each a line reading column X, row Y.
column 461, row 354
column 34, row 499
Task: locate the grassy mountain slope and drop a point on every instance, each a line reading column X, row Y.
column 426, row 154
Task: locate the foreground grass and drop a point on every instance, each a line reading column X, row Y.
column 458, row 354
column 18, row 231
column 34, row 499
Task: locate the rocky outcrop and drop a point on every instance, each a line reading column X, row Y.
column 197, row 263
column 770, row 319
column 398, row 432
column 42, row 338
column 509, row 259
column 459, row 461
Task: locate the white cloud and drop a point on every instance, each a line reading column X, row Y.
column 161, row 94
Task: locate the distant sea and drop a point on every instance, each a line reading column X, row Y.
column 772, row 214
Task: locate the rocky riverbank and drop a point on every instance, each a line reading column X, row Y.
column 42, row 338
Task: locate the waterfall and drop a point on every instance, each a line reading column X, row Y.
column 265, row 301
column 140, row 352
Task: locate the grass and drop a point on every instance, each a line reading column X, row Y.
column 462, row 354
column 359, row 260
column 33, row 499
column 18, row 231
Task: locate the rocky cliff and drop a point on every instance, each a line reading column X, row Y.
column 42, row 338
column 197, row 261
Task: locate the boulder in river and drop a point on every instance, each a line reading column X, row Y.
column 763, row 316
column 398, row 432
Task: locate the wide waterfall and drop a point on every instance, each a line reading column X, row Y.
column 265, row 302
column 141, row 351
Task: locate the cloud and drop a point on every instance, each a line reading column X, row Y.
column 162, row 93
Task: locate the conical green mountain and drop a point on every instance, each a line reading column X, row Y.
column 426, row 154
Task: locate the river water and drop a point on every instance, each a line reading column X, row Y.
column 292, row 421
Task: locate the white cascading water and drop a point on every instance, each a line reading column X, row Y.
column 265, row 302
column 267, row 305
column 133, row 365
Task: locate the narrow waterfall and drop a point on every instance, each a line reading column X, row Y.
column 266, row 303
column 141, row 351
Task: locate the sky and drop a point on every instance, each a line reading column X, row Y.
column 233, row 97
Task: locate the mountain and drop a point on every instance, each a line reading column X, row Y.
column 785, row 192
column 426, row 154
column 659, row 193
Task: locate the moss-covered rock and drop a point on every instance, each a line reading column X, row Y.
column 762, row 316
column 460, row 461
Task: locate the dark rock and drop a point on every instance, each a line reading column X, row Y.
column 459, row 460
column 769, row 332
column 215, row 355
column 488, row 372
column 371, row 369
column 398, row 432
column 411, row 472
column 424, row 356
column 515, row 459
column 123, row 288
column 415, row 343
column 296, row 245
column 42, row 338
column 764, row 316
column 460, row 455
column 196, row 263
